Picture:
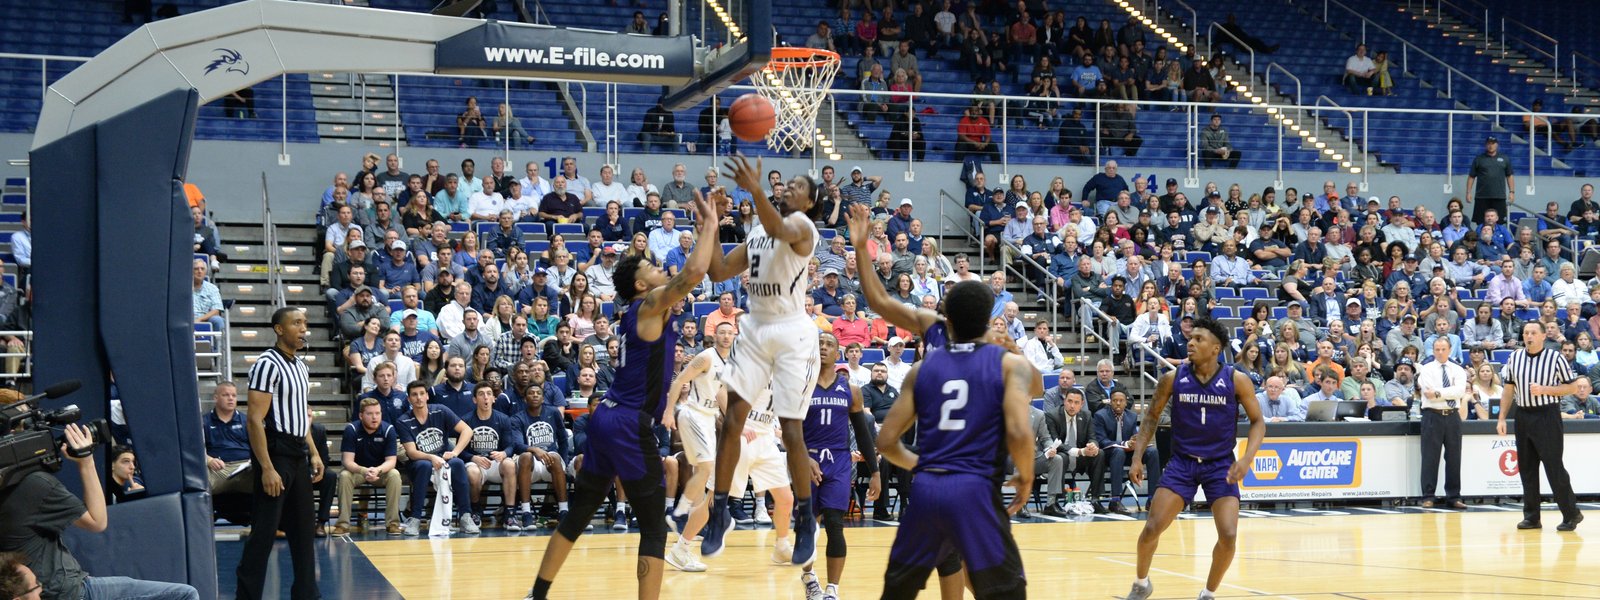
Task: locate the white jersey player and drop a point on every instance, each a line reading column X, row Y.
column 694, row 404
column 777, row 345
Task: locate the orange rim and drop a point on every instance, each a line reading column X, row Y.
column 786, row 57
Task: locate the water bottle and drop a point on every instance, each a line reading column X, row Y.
column 1416, row 411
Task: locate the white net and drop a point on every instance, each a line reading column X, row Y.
column 796, row 82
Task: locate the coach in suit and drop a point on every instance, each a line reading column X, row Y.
column 1114, row 428
column 1047, row 460
column 1073, row 426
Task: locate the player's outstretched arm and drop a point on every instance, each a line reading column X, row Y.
column 1019, row 433
column 861, row 422
column 658, row 301
column 748, row 177
column 917, row 320
column 1258, row 426
column 899, row 420
column 1148, row 424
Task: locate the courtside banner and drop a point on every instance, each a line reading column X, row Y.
column 516, row 49
column 1489, row 465
column 1325, row 468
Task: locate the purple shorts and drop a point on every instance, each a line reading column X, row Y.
column 837, row 476
column 1184, row 475
column 956, row 512
column 620, row 444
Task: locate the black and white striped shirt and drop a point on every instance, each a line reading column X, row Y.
column 289, row 382
column 1548, row 367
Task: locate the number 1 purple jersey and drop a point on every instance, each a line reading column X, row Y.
column 960, row 425
column 828, row 417
column 1204, row 414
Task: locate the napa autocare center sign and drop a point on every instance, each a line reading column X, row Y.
column 1331, row 468
column 522, row 50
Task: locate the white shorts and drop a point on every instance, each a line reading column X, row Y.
column 542, row 472
column 698, row 431
column 492, row 474
column 762, row 463
column 781, row 355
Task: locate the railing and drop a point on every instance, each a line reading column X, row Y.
column 972, row 228
column 44, row 66
column 219, row 355
column 1211, row 43
column 1053, row 300
column 1086, row 328
column 1450, row 72
column 1145, row 377
column 1486, row 26
column 1350, row 133
column 24, row 358
column 269, row 241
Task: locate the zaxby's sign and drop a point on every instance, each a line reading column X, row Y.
column 514, row 49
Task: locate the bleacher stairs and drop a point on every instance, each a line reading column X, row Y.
column 356, row 108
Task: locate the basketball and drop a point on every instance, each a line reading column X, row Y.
column 751, row 117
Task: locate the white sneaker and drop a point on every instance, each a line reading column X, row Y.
column 682, row 560
column 813, row 588
column 413, row 527
column 762, row 517
column 470, row 524
column 782, row 554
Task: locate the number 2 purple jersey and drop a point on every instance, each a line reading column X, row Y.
column 644, row 369
column 960, row 425
column 1204, row 414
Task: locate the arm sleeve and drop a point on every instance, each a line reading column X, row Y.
column 866, row 441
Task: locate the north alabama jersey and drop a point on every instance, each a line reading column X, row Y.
column 703, row 389
column 777, row 272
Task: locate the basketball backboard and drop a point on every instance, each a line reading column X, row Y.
column 734, row 41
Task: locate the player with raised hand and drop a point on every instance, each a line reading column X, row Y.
column 967, row 400
column 1205, row 396
column 836, row 410
column 696, row 422
column 777, row 344
column 621, row 442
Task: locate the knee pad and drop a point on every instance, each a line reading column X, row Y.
column 833, row 522
column 903, row 582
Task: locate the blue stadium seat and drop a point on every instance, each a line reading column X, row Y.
column 567, row 229
column 1250, row 293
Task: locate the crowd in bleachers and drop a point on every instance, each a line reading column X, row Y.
column 1332, row 296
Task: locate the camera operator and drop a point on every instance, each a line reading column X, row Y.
column 33, row 514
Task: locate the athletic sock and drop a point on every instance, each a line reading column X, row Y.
column 671, row 502
column 622, row 507
column 802, row 508
column 541, row 588
column 782, row 542
column 833, row 588
column 680, row 510
column 1143, row 581
column 681, row 544
column 561, row 506
column 1207, row 595
column 527, row 507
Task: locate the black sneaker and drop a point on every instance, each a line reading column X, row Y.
column 1117, row 507
column 1529, row 524
column 1571, row 524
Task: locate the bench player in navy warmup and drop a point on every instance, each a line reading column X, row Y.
column 835, row 410
column 621, row 442
column 973, row 400
column 1205, row 396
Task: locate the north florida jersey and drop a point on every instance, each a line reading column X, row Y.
column 960, row 391
column 827, row 422
column 1204, row 414
column 546, row 431
column 777, row 272
column 436, row 436
column 644, row 369
column 495, row 434
column 703, row 389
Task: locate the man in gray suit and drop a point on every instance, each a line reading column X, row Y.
column 1047, row 458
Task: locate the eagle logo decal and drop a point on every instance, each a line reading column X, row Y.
column 228, row 60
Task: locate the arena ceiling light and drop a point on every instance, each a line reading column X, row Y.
column 1355, row 170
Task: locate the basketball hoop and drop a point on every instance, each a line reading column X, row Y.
column 795, row 81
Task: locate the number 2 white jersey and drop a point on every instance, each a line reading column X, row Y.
column 777, row 272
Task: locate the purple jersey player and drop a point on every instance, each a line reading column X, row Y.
column 621, row 442
column 967, row 400
column 834, row 410
column 1205, row 397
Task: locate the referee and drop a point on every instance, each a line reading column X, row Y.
column 1490, row 182
column 286, row 462
column 1537, row 380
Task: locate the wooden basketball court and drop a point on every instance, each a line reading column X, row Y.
column 1359, row 554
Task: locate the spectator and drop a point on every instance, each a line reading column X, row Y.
column 454, row 200
column 1282, row 404
column 659, row 130
column 906, row 137
column 1114, row 426
column 1119, row 130
column 973, row 136
column 1359, row 71
column 648, row 219
column 678, row 192
column 369, row 453
column 1041, row 349
column 227, row 443
column 1199, row 85
column 207, row 299
column 608, row 190
column 889, row 32
column 944, row 35
column 638, row 25
column 398, row 272
column 850, row 325
column 576, row 184
column 710, row 117
column 823, row 38
column 560, row 205
column 469, row 124
column 860, row 188
column 1002, row 298
column 470, row 337
column 665, row 238
column 1122, row 81
column 405, row 369
column 1237, row 35
column 1104, row 188
column 1023, row 38
column 533, row 185
column 1214, row 145
column 357, row 308
column 424, row 433
column 486, row 293
column 1075, row 140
